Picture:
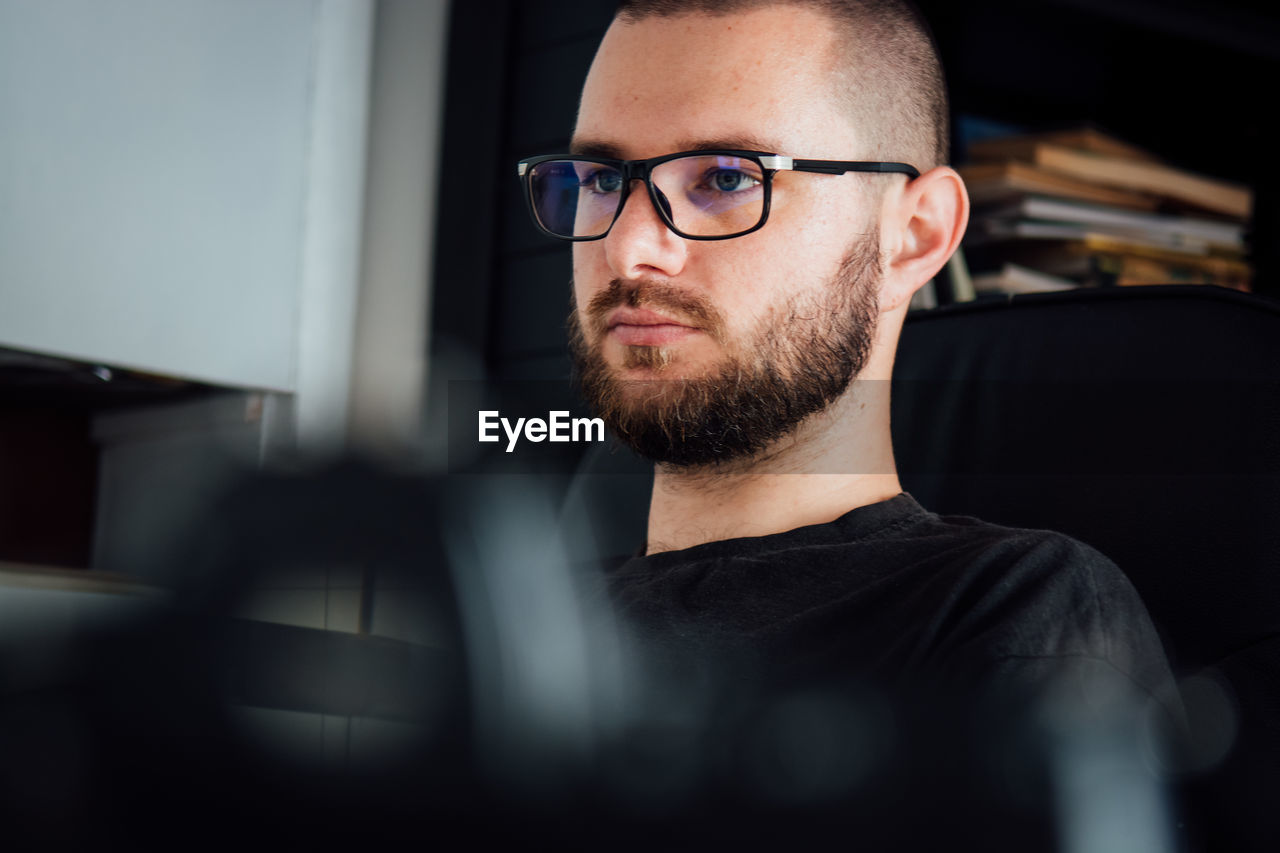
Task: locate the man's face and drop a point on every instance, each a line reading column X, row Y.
column 702, row 351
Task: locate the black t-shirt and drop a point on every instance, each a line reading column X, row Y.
column 891, row 592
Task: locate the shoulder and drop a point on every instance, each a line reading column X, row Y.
column 1028, row 591
column 1032, row 605
column 992, row 581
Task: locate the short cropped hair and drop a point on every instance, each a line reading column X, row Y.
column 886, row 70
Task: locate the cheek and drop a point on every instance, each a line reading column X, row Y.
column 764, row 273
column 826, row 211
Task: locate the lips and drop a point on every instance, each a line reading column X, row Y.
column 640, row 327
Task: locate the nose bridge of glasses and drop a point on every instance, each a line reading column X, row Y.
column 639, row 170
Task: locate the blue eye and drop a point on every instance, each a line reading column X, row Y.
column 730, row 180
column 603, row 181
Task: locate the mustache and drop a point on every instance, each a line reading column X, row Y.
column 657, row 295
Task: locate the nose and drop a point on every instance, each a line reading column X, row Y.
column 640, row 244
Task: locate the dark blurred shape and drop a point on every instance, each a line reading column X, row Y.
column 528, row 714
column 1213, row 721
column 48, row 478
column 49, row 461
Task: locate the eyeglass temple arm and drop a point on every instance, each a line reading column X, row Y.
column 837, row 167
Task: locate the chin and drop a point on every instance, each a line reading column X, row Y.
column 649, row 361
column 678, row 360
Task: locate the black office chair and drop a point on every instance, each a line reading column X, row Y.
column 1145, row 422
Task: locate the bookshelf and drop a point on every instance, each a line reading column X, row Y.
column 1178, row 80
column 1079, row 208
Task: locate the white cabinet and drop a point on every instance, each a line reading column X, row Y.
column 189, row 188
column 181, row 183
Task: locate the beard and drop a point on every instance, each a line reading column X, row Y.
column 797, row 361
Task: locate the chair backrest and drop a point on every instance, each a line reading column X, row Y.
column 1145, row 422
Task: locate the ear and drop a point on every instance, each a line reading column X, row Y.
column 920, row 230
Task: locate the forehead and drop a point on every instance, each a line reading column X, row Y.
column 661, row 83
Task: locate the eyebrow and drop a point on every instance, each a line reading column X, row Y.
column 613, row 151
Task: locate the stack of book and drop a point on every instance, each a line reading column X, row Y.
column 1077, row 208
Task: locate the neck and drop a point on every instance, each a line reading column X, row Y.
column 835, row 461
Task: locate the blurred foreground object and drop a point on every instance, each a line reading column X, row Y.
column 516, row 708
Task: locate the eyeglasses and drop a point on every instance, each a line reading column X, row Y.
column 700, row 195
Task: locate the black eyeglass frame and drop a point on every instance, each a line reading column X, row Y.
column 633, row 170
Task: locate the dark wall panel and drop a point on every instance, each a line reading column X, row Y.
column 545, row 89
column 534, row 291
column 546, row 22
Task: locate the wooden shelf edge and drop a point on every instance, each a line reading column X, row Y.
column 31, row 576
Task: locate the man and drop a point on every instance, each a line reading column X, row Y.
column 737, row 310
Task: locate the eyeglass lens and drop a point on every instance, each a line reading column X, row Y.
column 705, row 195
